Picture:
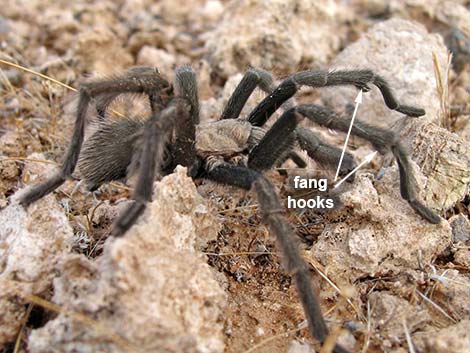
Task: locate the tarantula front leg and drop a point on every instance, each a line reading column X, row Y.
column 271, row 211
column 253, row 78
column 156, row 132
column 322, row 78
column 144, row 80
column 382, row 140
column 323, row 152
column 279, row 139
column 182, row 150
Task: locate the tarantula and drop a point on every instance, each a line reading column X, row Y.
column 231, row 150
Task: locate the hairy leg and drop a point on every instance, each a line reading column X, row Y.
column 322, row 78
column 182, row 149
column 383, row 140
column 271, row 210
column 146, row 80
column 253, row 78
column 278, row 140
column 156, row 132
column 322, row 152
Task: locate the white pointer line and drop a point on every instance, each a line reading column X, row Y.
column 368, row 159
column 358, row 101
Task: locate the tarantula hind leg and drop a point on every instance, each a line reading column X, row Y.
column 157, row 130
column 138, row 80
column 271, row 211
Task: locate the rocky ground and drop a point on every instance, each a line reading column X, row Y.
column 200, row 272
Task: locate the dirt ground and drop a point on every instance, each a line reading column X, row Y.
column 376, row 296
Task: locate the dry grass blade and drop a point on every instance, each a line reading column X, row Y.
column 442, row 86
column 369, row 333
column 330, row 282
column 437, row 307
column 408, row 337
column 23, row 325
column 272, row 338
column 48, row 78
column 24, row 159
column 331, row 339
column 45, row 77
column 240, row 253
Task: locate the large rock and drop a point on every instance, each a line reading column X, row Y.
column 381, row 233
column 402, row 52
column 151, row 288
column 275, row 35
column 32, row 241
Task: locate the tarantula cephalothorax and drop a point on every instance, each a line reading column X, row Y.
column 230, row 151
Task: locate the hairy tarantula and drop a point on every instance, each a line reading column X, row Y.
column 172, row 135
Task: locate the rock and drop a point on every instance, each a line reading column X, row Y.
column 460, row 228
column 158, row 58
column 462, row 257
column 380, row 233
column 455, row 339
column 60, row 28
column 299, row 347
column 389, row 312
column 9, row 171
column 90, row 49
column 275, row 35
column 444, row 159
column 401, row 52
column 32, row 241
column 448, row 13
column 150, row 288
column 452, row 293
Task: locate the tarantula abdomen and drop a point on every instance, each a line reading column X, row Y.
column 107, row 154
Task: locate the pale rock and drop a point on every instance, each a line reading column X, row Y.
column 32, row 241
column 380, row 233
column 401, row 52
column 89, row 52
column 151, row 288
column 161, row 59
column 388, row 312
column 454, row 338
column 275, row 35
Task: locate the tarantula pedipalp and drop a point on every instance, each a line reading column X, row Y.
column 230, row 151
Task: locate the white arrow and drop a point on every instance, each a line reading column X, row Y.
column 366, row 160
column 358, row 101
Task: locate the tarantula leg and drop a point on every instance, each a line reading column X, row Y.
column 324, row 153
column 183, row 149
column 70, row 160
column 271, row 210
column 142, row 79
column 275, row 142
column 383, row 141
column 156, row 132
column 253, row 78
column 322, row 78
column 186, row 86
column 146, row 80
